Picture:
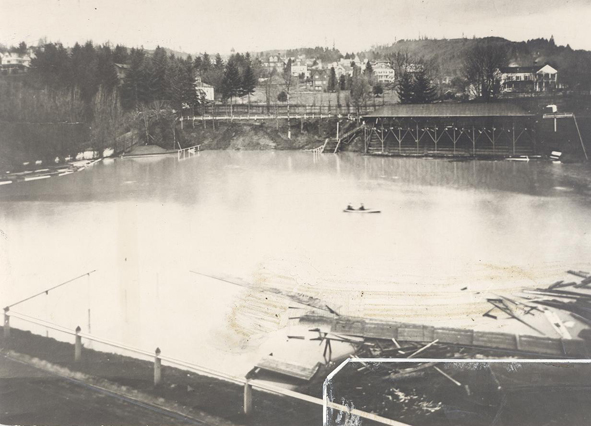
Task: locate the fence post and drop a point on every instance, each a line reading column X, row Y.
column 157, row 368
column 78, row 345
column 6, row 323
column 248, row 398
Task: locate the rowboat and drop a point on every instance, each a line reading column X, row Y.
column 362, row 211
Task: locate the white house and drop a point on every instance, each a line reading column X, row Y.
column 204, row 88
column 528, row 79
column 384, row 73
column 11, row 62
column 299, row 67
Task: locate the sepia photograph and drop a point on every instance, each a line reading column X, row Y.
column 292, row 213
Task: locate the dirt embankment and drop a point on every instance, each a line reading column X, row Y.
column 263, row 135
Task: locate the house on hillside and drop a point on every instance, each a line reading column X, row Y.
column 414, row 68
column 299, row 67
column 15, row 63
column 204, row 88
column 383, row 72
column 319, row 80
column 528, row 79
column 274, row 62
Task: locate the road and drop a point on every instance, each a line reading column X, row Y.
column 29, row 396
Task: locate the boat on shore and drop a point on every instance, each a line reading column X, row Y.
column 362, row 211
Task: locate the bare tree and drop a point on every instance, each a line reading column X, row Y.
column 481, row 69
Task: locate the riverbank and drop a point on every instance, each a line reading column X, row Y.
column 188, row 393
column 266, row 135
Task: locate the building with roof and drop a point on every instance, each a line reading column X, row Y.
column 14, row 63
column 528, row 79
column 300, row 67
column 384, row 73
column 471, row 129
column 203, row 88
column 319, row 80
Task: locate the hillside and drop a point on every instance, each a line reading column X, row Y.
column 448, row 55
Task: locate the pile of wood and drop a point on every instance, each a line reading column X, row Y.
column 573, row 297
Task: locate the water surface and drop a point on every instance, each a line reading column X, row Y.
column 275, row 218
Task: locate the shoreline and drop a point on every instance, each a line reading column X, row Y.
column 182, row 391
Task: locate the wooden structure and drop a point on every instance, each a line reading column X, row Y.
column 292, row 370
column 469, row 129
column 404, row 332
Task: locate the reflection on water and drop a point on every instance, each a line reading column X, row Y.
column 274, row 218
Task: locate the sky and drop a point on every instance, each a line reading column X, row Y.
column 195, row 26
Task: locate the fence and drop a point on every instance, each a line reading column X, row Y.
column 276, row 109
column 248, row 384
column 187, row 152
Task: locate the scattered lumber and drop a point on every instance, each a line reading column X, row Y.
column 503, row 307
column 579, row 274
column 584, row 283
column 423, row 348
column 488, row 313
column 557, row 324
column 409, row 372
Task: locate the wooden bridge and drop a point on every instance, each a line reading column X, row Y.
column 450, row 129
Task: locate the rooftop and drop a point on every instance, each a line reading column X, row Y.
column 449, row 110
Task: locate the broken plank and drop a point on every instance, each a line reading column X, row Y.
column 577, row 274
column 447, row 376
column 511, row 314
column 423, row 348
column 557, row 324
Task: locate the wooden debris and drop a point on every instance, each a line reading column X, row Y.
column 557, row 324
column 579, row 274
column 488, row 313
column 410, row 371
column 332, row 311
column 448, row 376
column 423, row 348
column 396, row 343
column 584, row 283
column 503, row 308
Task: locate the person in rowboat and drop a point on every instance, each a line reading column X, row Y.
column 350, row 207
column 361, row 207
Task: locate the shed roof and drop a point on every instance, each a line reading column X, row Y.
column 449, row 110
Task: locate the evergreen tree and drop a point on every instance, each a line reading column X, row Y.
column 231, row 83
column 106, row 69
column 181, row 85
column 249, row 82
column 198, row 63
column 205, row 63
column 52, row 66
column 332, row 80
column 343, row 82
column 120, row 55
column 158, row 74
column 219, row 63
column 405, row 89
column 424, row 91
column 368, row 70
column 135, row 90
